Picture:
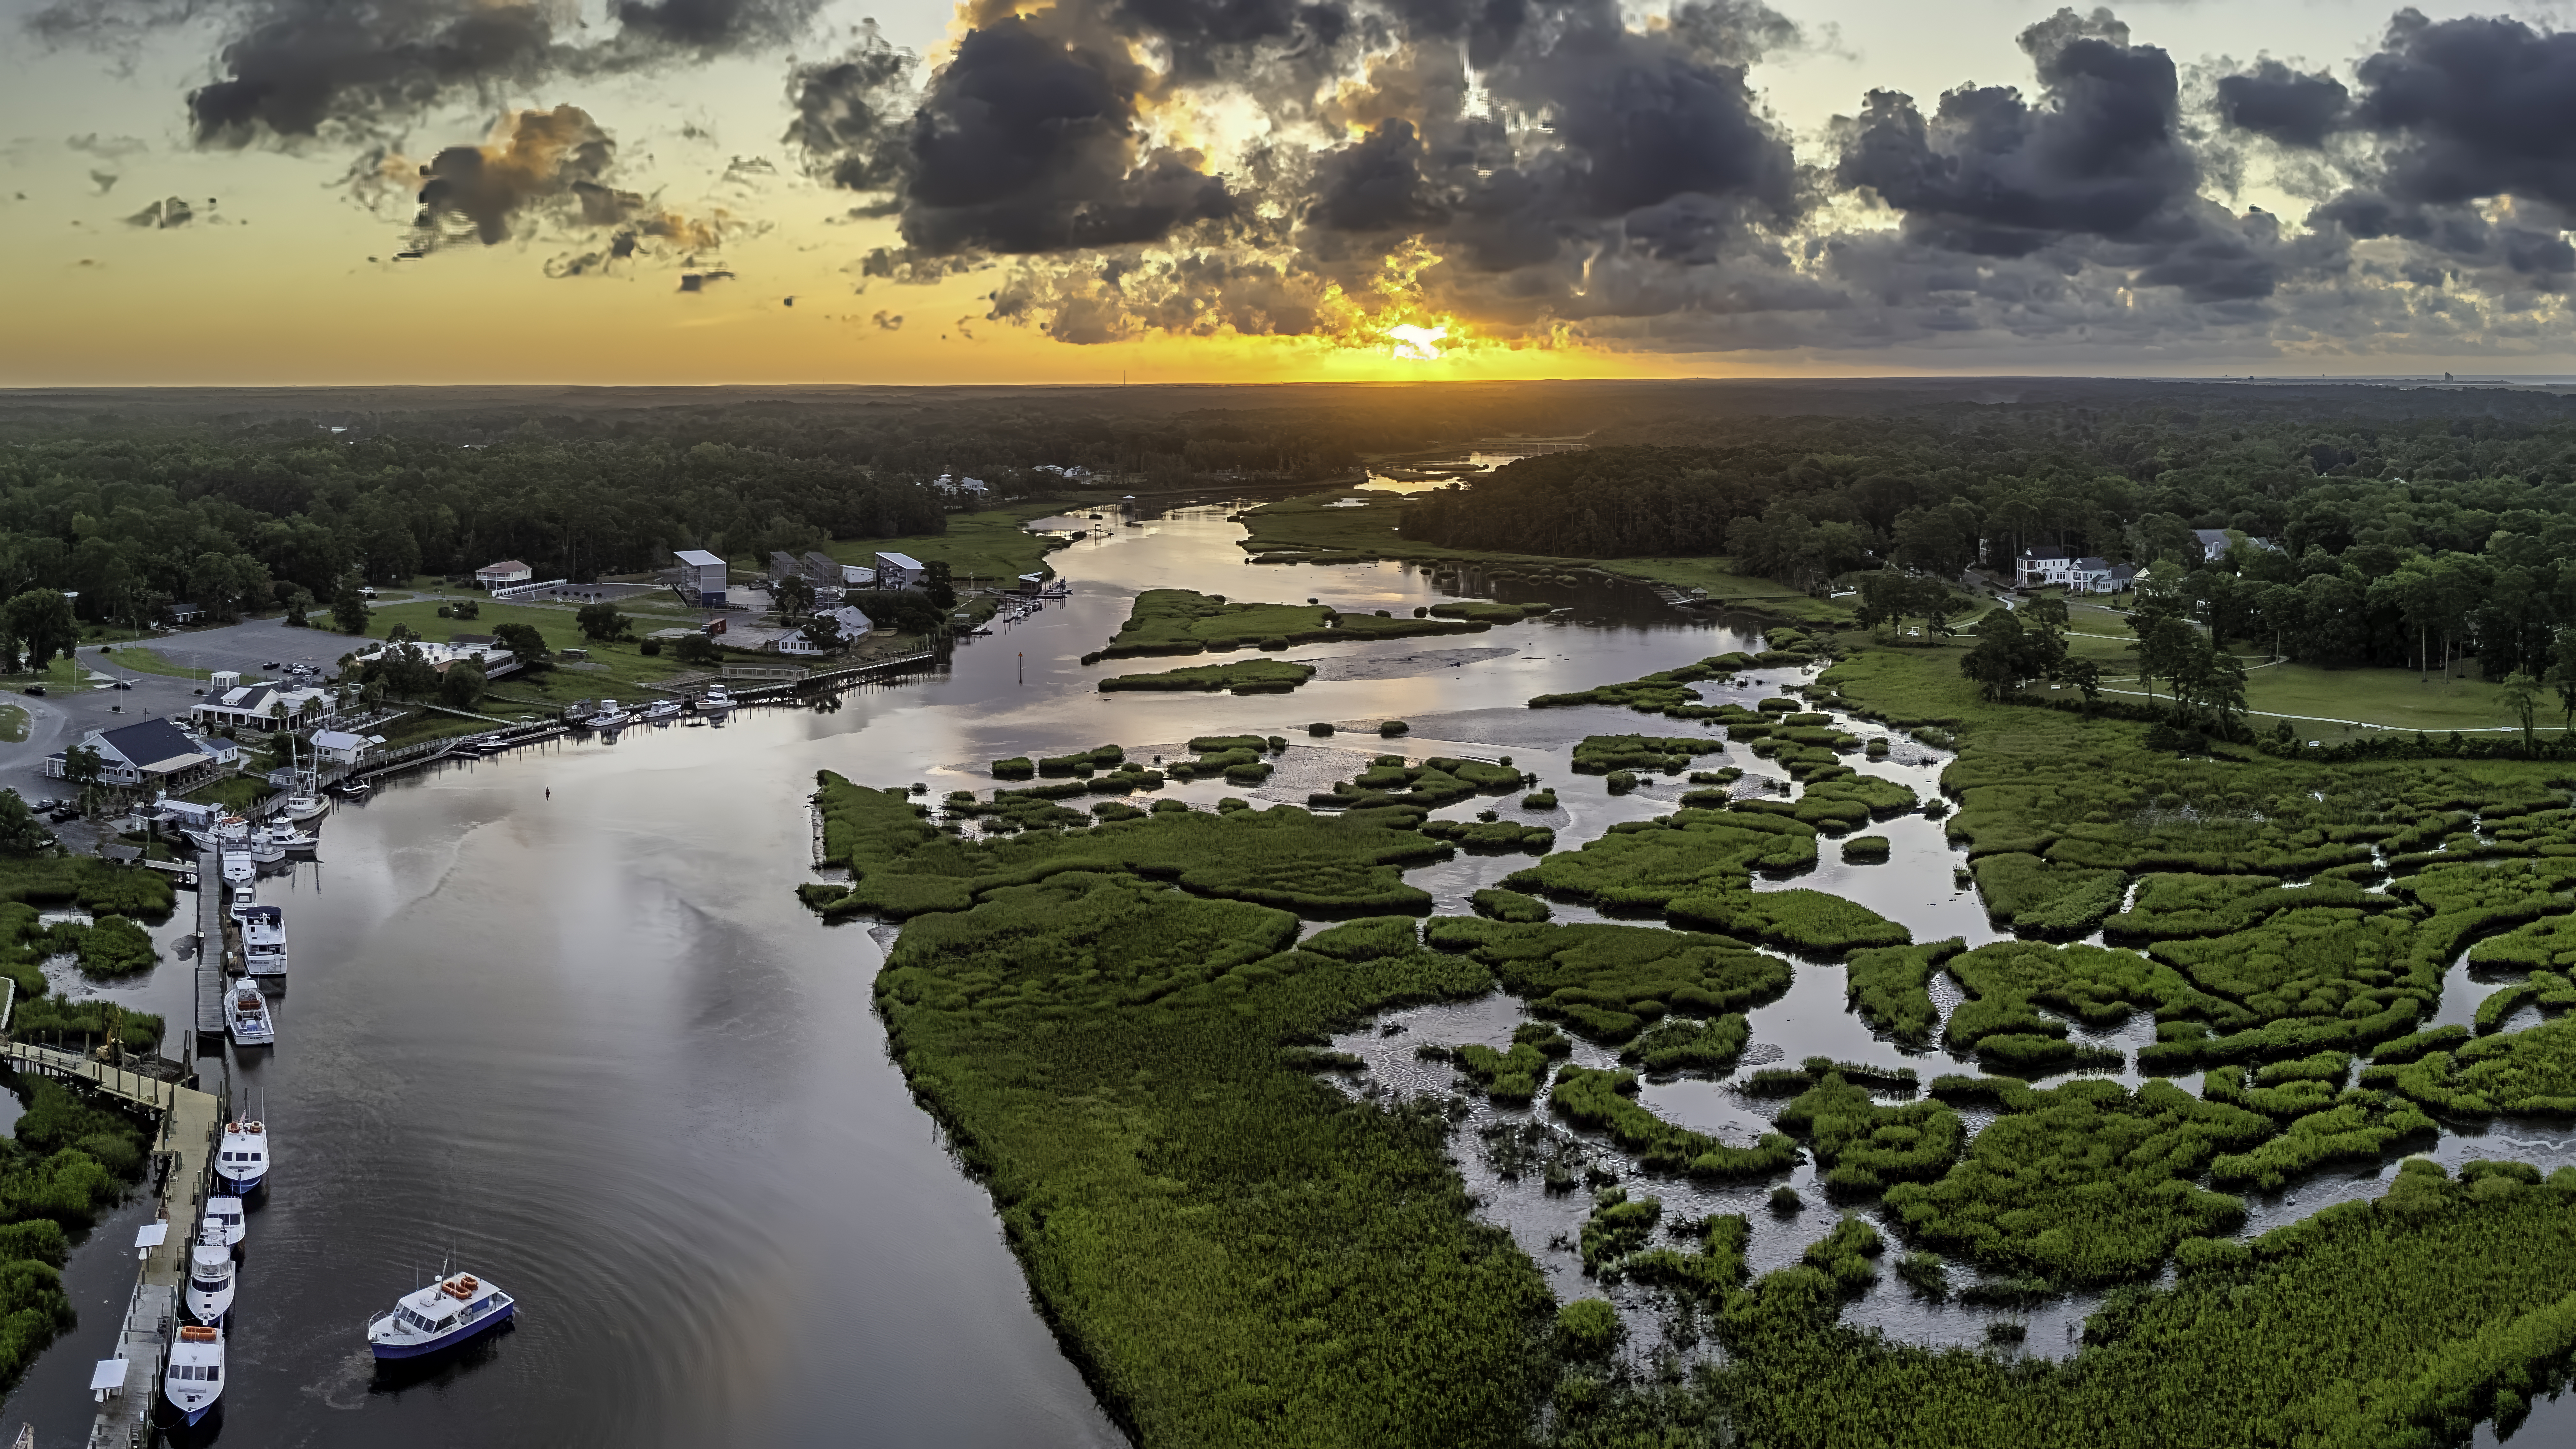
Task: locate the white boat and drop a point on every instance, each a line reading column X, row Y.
column 353, row 789
column 245, row 896
column 240, row 868
column 661, row 709
column 246, row 1016
column 225, row 1227
column 442, row 1315
column 211, row 1275
column 264, row 941
column 195, row 1377
column 285, row 837
column 241, row 1154
column 716, row 698
column 303, row 807
column 265, row 849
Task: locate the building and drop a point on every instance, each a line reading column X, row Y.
column 973, row 490
column 154, row 752
column 858, row 576
column 339, row 747
column 702, row 578
column 229, row 703
column 900, row 571
column 502, row 575
column 2214, row 542
column 2040, row 568
column 854, row 625
column 186, row 613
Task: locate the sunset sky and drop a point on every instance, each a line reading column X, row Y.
column 319, row 191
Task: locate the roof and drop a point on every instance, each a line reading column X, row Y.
column 2048, row 550
column 898, row 560
column 2094, row 565
column 151, row 742
column 697, row 557
column 337, row 740
column 506, row 566
column 2210, row 535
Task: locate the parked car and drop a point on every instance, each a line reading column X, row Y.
column 35, row 689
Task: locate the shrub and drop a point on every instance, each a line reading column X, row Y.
column 1391, row 728
column 1503, row 905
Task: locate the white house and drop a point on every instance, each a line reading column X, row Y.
column 503, row 574
column 2055, row 567
column 339, row 747
column 854, row 625
column 152, row 752
column 258, row 706
column 969, row 489
column 858, row 576
column 2037, row 566
column 2214, row 542
column 900, row 571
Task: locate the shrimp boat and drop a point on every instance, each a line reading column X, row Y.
column 224, row 1227
column 246, row 1016
column 306, row 802
column 211, row 1276
column 264, row 941
column 442, row 1315
column 195, row 1377
column 241, row 1155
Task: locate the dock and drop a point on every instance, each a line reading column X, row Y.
column 210, row 945
column 184, row 1153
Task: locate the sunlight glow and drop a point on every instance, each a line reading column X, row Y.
column 1417, row 344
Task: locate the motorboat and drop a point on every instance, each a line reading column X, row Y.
column 661, row 709
column 211, row 1275
column 194, row 1379
column 716, row 698
column 241, row 1153
column 352, row 789
column 245, row 896
column 224, row 1226
column 265, row 849
column 224, row 832
column 610, row 717
column 264, row 941
column 240, row 868
column 286, row 838
column 246, row 1016
column 440, row 1316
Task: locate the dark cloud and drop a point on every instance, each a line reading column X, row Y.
column 535, row 159
column 2102, row 154
column 163, row 214
column 700, row 281
column 713, row 24
column 303, row 63
column 2473, row 108
column 851, row 114
column 1376, row 184
column 1029, row 142
column 2275, row 101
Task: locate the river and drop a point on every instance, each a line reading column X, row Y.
column 557, row 1018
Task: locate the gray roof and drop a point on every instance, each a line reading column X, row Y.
column 697, row 556
column 149, row 742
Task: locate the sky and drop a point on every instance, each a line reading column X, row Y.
column 301, row 192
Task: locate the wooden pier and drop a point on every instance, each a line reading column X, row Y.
column 210, row 945
column 184, row 1152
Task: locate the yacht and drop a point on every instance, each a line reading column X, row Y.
column 240, row 868
column 195, row 1377
column 265, row 849
column 264, row 941
column 716, row 698
column 225, row 1226
column 288, row 839
column 661, row 709
column 210, row 1282
column 241, row 1155
column 246, row 1016
column 442, row 1315
column 224, row 832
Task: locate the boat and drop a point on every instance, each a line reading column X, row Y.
column 265, row 849
column 241, row 1153
column 246, row 1016
column 716, row 698
column 352, row 789
column 609, row 719
column 440, row 1316
column 224, row 1225
column 240, row 868
column 287, row 839
column 211, row 1275
column 245, row 896
column 195, row 1376
column 303, row 806
column 661, row 709
column 303, row 798
column 264, row 941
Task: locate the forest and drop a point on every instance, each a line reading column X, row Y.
column 2399, row 527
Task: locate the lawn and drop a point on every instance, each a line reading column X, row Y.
column 13, row 724
column 980, row 549
column 238, row 793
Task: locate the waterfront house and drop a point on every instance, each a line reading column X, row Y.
column 152, row 752
column 854, row 626
column 502, row 575
column 339, row 747
column 900, row 571
column 702, row 578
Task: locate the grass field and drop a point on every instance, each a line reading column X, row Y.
column 240, row 792
column 13, row 723
column 987, row 548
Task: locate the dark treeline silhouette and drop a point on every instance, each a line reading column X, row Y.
column 2398, row 526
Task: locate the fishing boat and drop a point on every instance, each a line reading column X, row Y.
column 195, row 1377
column 211, row 1275
column 224, row 1225
column 264, row 941
column 662, row 709
column 265, row 849
column 246, row 1016
column 440, row 1316
column 241, row 1153
column 304, row 804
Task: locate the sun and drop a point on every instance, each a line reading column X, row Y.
column 1417, row 344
